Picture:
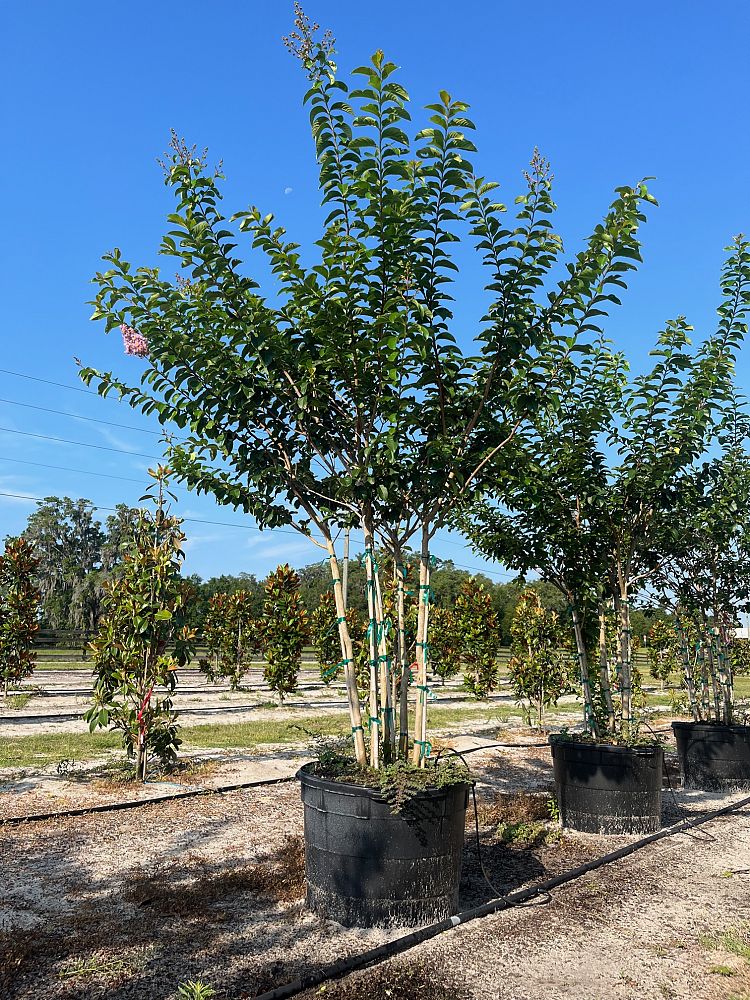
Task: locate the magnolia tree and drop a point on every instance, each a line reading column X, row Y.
column 144, row 637
column 230, row 631
column 539, row 667
column 283, row 631
column 478, row 631
column 20, row 603
column 339, row 397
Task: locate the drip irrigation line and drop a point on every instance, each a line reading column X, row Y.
column 520, row 897
column 136, row 803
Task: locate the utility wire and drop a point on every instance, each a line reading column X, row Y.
column 64, row 468
column 80, row 416
column 81, row 444
column 223, row 524
column 61, row 385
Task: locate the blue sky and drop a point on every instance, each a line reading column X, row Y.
column 609, row 93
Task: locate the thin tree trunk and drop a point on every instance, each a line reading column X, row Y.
column 403, row 660
column 712, row 672
column 687, row 669
column 592, row 725
column 384, row 672
column 624, row 655
column 345, row 569
column 347, row 656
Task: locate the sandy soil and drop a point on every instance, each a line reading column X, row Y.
column 647, row 927
column 129, row 904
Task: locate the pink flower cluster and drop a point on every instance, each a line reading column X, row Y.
column 135, row 343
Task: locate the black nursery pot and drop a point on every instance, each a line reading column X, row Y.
column 608, row 789
column 367, row 867
column 713, row 756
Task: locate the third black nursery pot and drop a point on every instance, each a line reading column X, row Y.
column 608, row 789
column 367, row 867
column 713, row 756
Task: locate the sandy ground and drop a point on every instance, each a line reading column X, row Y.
column 646, row 927
column 129, row 904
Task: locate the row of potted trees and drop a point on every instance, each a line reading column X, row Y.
column 346, row 398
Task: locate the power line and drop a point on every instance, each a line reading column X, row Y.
column 61, row 385
column 81, row 444
column 194, row 520
column 242, row 527
column 80, row 416
column 65, row 468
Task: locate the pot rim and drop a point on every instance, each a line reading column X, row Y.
column 305, row 776
column 713, row 727
column 644, row 750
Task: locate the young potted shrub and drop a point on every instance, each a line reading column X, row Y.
column 342, row 400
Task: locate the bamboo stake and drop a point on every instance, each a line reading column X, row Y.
column 347, row 655
column 421, row 746
column 372, row 635
column 604, row 678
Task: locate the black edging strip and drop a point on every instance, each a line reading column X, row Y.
column 375, row 955
column 135, row 803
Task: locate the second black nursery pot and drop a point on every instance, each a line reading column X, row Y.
column 608, row 789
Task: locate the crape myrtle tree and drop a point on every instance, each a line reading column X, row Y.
column 605, row 472
column 341, row 398
column 20, row 602
column 550, row 517
column 668, row 419
column 143, row 636
column 704, row 571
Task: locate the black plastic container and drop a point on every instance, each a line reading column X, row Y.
column 608, row 789
column 713, row 756
column 367, row 867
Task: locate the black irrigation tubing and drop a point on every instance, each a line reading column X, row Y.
column 385, row 951
column 136, row 803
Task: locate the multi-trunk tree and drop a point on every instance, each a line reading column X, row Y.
column 340, row 397
column 603, row 477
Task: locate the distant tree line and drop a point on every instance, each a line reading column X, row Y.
column 77, row 554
